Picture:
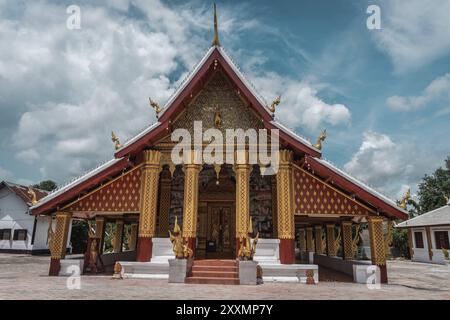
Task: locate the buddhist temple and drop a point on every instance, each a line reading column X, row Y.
column 309, row 206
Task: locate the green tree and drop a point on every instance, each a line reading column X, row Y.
column 47, row 185
column 434, row 189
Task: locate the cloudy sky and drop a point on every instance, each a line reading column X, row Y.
column 383, row 95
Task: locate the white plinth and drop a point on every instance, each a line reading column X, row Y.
column 267, row 251
column 71, row 267
column 288, row 272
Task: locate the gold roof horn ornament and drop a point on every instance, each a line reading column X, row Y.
column 404, row 201
column 155, row 106
column 215, row 41
column 320, row 139
column 32, row 195
column 274, row 104
column 116, row 141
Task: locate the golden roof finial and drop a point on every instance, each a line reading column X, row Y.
column 274, row 104
column 116, row 141
column 155, row 106
column 320, row 139
column 33, row 195
column 216, row 32
column 404, row 201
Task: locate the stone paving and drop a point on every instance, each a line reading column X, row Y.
column 25, row 277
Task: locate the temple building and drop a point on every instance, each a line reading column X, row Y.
column 309, row 206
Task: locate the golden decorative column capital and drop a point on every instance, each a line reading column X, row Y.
column 58, row 239
column 149, row 193
column 242, row 170
column 117, row 245
column 331, row 248
column 302, row 239
column 377, row 247
column 190, row 201
column 285, row 196
column 318, row 239
column 347, row 239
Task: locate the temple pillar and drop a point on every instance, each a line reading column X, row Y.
column 118, row 234
column 347, row 240
column 302, row 239
column 377, row 247
column 242, row 171
column 310, row 240
column 285, row 208
column 133, row 236
column 58, row 242
column 148, row 204
column 331, row 248
column 100, row 231
column 164, row 203
column 318, row 239
column 190, row 201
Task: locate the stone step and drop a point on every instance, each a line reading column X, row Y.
column 215, row 274
column 215, row 262
column 212, row 280
column 214, row 268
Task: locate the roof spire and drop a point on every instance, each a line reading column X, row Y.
column 216, row 32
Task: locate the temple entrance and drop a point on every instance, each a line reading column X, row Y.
column 220, row 234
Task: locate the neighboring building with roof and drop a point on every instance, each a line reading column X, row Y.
column 20, row 231
column 428, row 235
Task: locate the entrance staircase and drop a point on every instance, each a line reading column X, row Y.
column 214, row 272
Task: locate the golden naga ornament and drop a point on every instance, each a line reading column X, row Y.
column 274, row 104
column 115, row 140
column 179, row 245
column 155, row 106
column 246, row 249
column 404, row 201
column 320, row 139
column 33, row 195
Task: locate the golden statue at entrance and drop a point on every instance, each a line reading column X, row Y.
column 247, row 250
column 179, row 246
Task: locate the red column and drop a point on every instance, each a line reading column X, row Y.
column 144, row 249
column 287, row 251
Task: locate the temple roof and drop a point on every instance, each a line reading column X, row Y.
column 183, row 95
column 437, row 217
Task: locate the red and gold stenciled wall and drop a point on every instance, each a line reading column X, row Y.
column 314, row 196
column 118, row 195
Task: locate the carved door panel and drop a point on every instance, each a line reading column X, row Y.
column 220, row 231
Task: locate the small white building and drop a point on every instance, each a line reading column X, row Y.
column 428, row 235
column 21, row 232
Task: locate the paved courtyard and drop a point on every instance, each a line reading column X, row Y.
column 25, row 277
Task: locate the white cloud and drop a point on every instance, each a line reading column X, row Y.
column 71, row 88
column 439, row 88
column 414, row 33
column 300, row 105
column 387, row 165
column 5, row 174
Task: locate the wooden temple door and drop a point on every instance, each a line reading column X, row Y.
column 220, row 235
